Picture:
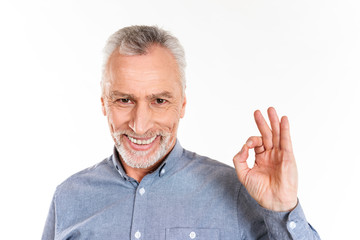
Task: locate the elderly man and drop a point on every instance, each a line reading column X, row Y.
column 151, row 188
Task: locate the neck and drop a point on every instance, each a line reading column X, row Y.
column 139, row 173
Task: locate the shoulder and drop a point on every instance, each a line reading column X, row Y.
column 94, row 175
column 203, row 166
column 206, row 162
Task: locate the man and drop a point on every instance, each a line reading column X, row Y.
column 152, row 188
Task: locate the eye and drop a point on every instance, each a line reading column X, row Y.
column 160, row 101
column 123, row 101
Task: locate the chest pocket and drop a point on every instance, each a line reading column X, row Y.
column 192, row 234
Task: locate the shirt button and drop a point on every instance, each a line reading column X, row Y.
column 138, row 235
column 162, row 172
column 292, row 224
column 192, row 235
column 142, row 191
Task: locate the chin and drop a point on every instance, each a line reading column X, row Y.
column 142, row 159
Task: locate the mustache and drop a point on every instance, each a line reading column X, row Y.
column 132, row 134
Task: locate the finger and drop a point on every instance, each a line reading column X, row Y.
column 254, row 142
column 259, row 150
column 275, row 126
column 240, row 163
column 285, row 139
column 264, row 129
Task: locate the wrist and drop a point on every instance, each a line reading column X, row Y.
column 281, row 206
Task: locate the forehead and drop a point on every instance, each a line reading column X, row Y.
column 155, row 71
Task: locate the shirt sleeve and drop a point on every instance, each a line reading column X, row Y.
column 289, row 225
column 256, row 222
column 49, row 229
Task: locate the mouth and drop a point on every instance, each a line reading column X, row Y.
column 142, row 144
column 141, row 141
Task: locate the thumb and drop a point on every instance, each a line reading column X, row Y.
column 241, row 166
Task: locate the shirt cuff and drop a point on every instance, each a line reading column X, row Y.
column 288, row 225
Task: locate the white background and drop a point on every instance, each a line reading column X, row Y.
column 302, row 57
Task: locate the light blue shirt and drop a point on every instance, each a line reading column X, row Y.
column 187, row 197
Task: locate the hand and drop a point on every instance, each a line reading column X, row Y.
column 272, row 181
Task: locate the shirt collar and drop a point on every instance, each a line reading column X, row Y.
column 166, row 166
column 118, row 165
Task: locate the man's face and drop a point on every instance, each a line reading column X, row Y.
column 143, row 103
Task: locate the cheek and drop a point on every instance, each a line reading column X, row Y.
column 169, row 119
column 116, row 118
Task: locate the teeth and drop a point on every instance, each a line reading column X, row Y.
column 142, row 142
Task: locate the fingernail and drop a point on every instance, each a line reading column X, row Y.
column 249, row 143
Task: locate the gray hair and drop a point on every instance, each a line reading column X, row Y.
column 136, row 40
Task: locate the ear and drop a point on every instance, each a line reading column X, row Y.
column 103, row 108
column 183, row 107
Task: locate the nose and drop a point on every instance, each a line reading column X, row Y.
column 141, row 120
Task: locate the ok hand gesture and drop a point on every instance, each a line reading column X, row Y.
column 272, row 181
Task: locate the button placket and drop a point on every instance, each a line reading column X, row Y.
column 139, row 210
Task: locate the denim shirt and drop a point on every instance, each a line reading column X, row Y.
column 187, row 197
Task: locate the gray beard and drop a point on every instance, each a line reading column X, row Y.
column 141, row 159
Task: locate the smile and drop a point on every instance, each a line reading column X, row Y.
column 141, row 141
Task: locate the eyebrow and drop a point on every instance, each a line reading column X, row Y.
column 164, row 94
column 117, row 94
